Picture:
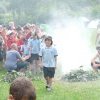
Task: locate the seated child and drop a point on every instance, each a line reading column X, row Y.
column 95, row 63
column 14, row 61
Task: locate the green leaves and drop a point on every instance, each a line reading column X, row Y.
column 80, row 76
column 41, row 11
column 10, row 76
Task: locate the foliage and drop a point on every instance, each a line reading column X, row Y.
column 41, row 11
column 10, row 76
column 80, row 76
column 61, row 90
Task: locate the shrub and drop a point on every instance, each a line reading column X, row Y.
column 80, row 76
column 10, row 76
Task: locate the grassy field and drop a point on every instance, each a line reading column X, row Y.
column 61, row 90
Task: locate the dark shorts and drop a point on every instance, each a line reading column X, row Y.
column 29, row 60
column 97, row 48
column 96, row 63
column 2, row 54
column 34, row 57
column 21, row 64
column 49, row 72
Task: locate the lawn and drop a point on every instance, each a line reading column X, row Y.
column 61, row 90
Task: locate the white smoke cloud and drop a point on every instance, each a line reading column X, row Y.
column 72, row 45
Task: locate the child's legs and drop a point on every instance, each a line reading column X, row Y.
column 21, row 65
column 47, row 80
column 45, row 71
column 35, row 64
column 30, row 63
column 49, row 75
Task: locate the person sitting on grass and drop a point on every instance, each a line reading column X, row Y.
column 22, row 89
column 14, row 61
column 95, row 63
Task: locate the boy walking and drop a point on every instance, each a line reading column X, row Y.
column 48, row 57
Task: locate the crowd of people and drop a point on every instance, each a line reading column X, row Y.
column 23, row 41
column 27, row 48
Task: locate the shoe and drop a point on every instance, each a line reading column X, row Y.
column 49, row 89
column 46, row 87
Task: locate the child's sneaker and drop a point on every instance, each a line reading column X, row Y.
column 49, row 89
column 46, row 86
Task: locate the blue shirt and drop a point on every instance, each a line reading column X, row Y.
column 34, row 44
column 25, row 49
column 48, row 55
column 12, row 57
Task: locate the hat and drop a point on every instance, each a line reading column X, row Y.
column 48, row 38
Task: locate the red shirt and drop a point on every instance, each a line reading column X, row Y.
column 20, row 42
column 10, row 40
column 3, row 34
column 28, row 35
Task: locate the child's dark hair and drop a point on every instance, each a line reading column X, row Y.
column 21, row 88
column 26, row 28
column 49, row 38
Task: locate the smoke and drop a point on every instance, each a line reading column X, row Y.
column 72, row 43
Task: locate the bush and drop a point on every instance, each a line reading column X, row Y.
column 10, row 76
column 80, row 76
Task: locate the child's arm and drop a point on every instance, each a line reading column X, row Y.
column 55, row 56
column 26, row 57
column 55, row 61
column 40, row 62
column 40, row 58
column 22, row 49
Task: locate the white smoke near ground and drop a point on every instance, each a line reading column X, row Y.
column 72, row 44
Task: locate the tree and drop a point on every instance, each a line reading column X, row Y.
column 41, row 11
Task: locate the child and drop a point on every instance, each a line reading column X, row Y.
column 25, row 50
column 95, row 63
column 42, row 43
column 48, row 56
column 34, row 45
column 22, row 89
column 13, row 60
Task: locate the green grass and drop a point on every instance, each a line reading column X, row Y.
column 61, row 90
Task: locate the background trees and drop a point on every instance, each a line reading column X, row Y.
column 41, row 11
